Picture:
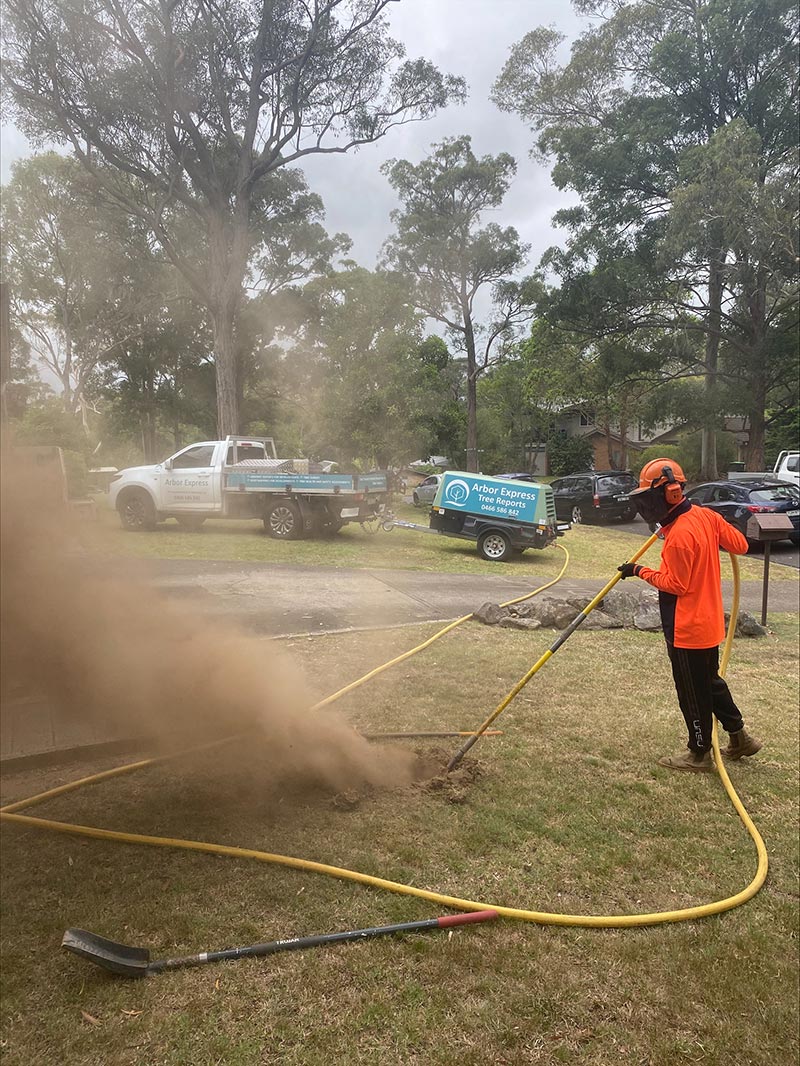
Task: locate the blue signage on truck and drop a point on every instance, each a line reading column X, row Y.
column 496, row 497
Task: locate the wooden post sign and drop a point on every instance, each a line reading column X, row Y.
column 766, row 528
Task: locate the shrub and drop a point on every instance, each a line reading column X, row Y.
column 568, row 454
column 77, row 474
column 659, row 451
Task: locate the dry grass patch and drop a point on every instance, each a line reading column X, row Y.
column 565, row 812
column 595, row 551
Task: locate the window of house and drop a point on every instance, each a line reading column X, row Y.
column 586, row 419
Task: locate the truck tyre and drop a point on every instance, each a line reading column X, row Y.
column 494, row 546
column 191, row 522
column 283, row 521
column 137, row 511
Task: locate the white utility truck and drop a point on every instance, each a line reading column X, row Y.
column 242, row 477
column 787, row 468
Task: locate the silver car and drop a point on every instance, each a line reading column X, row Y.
column 424, row 493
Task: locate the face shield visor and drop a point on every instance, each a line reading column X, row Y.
column 651, row 505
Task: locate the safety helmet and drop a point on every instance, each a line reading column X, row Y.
column 662, row 472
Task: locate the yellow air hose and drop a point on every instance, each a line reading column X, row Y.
column 541, row 917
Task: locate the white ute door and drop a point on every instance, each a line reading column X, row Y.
column 190, row 481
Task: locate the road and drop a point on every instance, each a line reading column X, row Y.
column 784, row 552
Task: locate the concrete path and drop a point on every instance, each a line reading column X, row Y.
column 274, row 600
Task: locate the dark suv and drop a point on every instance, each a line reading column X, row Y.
column 596, row 495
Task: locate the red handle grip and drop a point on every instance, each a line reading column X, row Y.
column 465, row 919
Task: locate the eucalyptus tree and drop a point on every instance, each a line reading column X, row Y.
column 440, row 244
column 374, row 389
column 74, row 277
column 181, row 109
column 646, row 90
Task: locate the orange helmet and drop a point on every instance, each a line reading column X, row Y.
column 664, row 472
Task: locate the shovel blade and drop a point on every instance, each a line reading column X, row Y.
column 118, row 958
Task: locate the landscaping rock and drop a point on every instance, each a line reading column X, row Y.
column 512, row 621
column 621, row 608
column 490, row 613
column 648, row 617
column 747, row 625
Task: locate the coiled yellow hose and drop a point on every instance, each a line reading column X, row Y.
column 621, row 921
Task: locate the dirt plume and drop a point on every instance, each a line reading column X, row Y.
column 113, row 651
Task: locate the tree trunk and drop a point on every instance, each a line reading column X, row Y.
column 472, row 386
column 229, row 240
column 222, row 320
column 149, row 437
column 754, row 451
column 708, row 440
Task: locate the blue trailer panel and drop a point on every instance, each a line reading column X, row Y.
column 494, row 497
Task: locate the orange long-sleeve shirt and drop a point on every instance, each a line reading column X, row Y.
column 688, row 580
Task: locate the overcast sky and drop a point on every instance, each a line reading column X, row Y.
column 467, row 37
column 471, row 38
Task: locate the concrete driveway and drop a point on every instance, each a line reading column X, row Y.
column 280, row 599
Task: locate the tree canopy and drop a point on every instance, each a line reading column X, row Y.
column 182, row 111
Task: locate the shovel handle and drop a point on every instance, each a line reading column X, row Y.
column 298, row 943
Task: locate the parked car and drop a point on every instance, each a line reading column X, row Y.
column 737, row 500
column 524, row 476
column 595, row 495
column 424, row 493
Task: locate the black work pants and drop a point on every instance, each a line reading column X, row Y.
column 701, row 693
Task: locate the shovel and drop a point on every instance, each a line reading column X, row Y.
column 135, row 962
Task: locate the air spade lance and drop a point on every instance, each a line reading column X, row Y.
column 563, row 637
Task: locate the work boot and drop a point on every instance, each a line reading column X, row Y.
column 741, row 743
column 699, row 762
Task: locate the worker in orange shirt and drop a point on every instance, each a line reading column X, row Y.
column 690, row 600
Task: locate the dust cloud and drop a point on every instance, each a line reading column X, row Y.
column 109, row 650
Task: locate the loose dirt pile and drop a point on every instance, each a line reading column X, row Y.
column 114, row 651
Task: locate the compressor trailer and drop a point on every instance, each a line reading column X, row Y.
column 504, row 516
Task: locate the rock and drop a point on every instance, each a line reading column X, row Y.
column 621, row 608
column 490, row 613
column 601, row 620
column 648, row 617
column 512, row 621
column 747, row 625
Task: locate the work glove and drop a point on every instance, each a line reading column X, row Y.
column 629, row 570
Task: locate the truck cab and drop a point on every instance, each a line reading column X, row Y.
column 188, row 483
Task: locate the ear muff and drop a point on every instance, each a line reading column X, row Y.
column 673, row 492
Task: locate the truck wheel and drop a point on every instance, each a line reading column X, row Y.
column 137, row 511
column 283, row 521
column 494, row 546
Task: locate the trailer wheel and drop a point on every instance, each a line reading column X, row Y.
column 136, row 511
column 283, row 520
column 494, row 546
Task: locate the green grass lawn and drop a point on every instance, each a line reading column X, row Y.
column 595, row 551
column 565, row 812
